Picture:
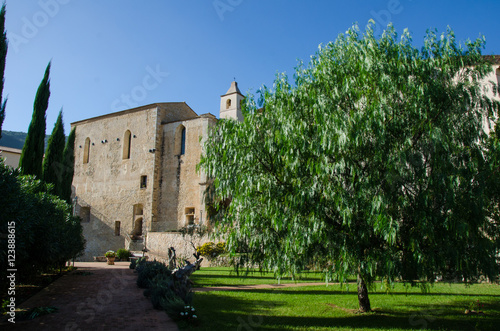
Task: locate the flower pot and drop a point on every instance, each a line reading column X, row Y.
column 111, row 260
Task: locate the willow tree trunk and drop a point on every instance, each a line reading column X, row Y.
column 364, row 301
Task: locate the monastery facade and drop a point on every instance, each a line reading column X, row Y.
column 135, row 182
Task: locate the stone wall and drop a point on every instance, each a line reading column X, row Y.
column 182, row 187
column 158, row 244
column 108, row 186
column 123, row 195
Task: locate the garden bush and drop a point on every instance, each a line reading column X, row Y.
column 211, row 250
column 46, row 233
column 159, row 288
column 169, row 292
column 123, row 254
column 148, row 270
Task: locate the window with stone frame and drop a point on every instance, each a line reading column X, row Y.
column 86, row 151
column 190, row 212
column 127, row 144
column 180, row 140
column 117, row 228
column 144, row 182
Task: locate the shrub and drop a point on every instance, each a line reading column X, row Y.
column 159, row 288
column 147, row 272
column 123, row 254
column 136, row 263
column 211, row 250
column 46, row 232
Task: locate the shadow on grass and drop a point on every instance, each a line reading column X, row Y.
column 244, row 312
column 303, row 291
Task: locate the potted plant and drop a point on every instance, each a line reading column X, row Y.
column 110, row 256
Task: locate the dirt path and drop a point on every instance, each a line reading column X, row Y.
column 95, row 297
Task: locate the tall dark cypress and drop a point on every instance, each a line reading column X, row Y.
column 53, row 167
column 3, row 56
column 32, row 154
column 69, row 167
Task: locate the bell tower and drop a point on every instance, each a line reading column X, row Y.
column 230, row 103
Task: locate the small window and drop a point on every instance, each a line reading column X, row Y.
column 190, row 215
column 117, row 228
column 183, row 141
column 144, row 181
column 498, row 79
column 228, row 103
column 85, row 214
column 86, row 151
column 126, row 145
column 138, row 210
column 180, row 140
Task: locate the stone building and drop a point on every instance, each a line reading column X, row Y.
column 11, row 156
column 135, row 182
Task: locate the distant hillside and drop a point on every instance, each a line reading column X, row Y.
column 15, row 139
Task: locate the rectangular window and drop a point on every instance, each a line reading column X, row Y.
column 189, row 215
column 85, row 214
column 117, row 228
column 144, row 181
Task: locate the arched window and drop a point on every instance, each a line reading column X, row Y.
column 183, row 141
column 137, row 221
column 498, row 78
column 228, row 103
column 127, row 143
column 86, row 151
column 180, row 140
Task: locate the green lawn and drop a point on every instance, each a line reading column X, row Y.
column 334, row 308
column 228, row 277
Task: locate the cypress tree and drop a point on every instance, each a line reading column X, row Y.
column 32, row 154
column 3, row 56
column 53, row 168
column 69, row 164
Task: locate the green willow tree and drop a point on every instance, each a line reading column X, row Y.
column 373, row 164
column 68, row 166
column 32, row 153
column 3, row 56
column 53, row 162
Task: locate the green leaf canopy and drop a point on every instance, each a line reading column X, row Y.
column 374, row 163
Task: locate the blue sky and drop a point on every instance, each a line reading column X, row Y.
column 112, row 55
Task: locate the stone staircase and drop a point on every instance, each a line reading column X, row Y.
column 134, row 245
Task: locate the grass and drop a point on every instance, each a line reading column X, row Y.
column 207, row 277
column 335, row 307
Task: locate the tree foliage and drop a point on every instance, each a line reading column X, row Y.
column 32, row 153
column 68, row 168
column 46, row 233
column 3, row 57
column 52, row 165
column 373, row 164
